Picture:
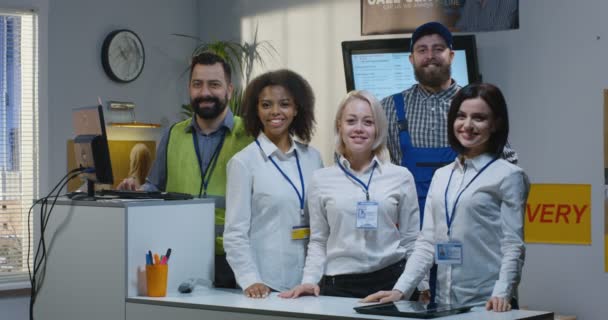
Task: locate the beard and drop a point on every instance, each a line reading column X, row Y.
column 211, row 112
column 433, row 78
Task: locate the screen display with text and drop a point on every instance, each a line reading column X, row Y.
column 383, row 67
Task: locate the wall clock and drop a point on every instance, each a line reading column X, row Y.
column 122, row 55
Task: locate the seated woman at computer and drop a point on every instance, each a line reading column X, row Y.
column 473, row 219
column 364, row 214
column 140, row 162
column 267, row 226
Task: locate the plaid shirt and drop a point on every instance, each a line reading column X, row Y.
column 427, row 118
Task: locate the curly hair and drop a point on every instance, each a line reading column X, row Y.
column 304, row 99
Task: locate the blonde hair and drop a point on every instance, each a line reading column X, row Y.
column 140, row 161
column 379, row 146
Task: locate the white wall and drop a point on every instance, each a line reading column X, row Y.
column 552, row 71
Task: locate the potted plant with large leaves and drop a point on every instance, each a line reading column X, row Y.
column 240, row 57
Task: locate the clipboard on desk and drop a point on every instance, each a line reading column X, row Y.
column 414, row 309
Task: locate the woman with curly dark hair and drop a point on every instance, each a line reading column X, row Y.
column 266, row 221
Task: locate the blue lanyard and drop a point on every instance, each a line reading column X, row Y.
column 365, row 187
column 449, row 219
column 206, row 172
column 300, row 196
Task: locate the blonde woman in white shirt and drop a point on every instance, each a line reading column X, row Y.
column 364, row 214
column 473, row 219
column 267, row 228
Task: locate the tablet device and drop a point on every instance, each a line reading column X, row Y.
column 413, row 309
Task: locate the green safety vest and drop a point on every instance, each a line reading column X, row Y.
column 184, row 173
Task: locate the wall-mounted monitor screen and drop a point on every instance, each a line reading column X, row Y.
column 382, row 66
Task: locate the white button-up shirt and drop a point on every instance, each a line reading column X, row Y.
column 261, row 209
column 488, row 222
column 336, row 246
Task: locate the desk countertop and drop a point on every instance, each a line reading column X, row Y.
column 125, row 203
column 324, row 307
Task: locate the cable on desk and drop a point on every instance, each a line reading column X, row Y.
column 36, row 276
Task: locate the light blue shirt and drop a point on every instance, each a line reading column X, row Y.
column 336, row 246
column 488, row 221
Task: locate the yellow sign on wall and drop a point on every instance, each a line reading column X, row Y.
column 558, row 213
column 606, row 228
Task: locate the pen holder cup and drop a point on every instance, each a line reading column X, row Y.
column 156, row 279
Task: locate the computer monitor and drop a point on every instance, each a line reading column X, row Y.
column 91, row 147
column 382, row 66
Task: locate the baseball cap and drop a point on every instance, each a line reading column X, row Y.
column 432, row 28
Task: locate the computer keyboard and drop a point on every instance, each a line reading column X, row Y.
column 126, row 194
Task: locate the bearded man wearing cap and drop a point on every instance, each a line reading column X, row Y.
column 417, row 116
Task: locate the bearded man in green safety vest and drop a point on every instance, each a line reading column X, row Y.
column 192, row 154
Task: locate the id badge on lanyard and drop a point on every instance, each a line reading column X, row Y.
column 366, row 211
column 367, row 215
column 451, row 252
column 300, row 232
column 448, row 252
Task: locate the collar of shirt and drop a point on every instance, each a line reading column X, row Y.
column 228, row 123
column 446, row 94
column 346, row 164
column 270, row 149
column 476, row 163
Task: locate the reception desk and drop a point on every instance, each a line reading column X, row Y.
column 96, row 259
column 96, row 253
column 223, row 304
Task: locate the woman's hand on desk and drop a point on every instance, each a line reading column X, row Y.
column 425, row 296
column 498, row 304
column 257, row 291
column 129, row 184
column 384, row 296
column 301, row 290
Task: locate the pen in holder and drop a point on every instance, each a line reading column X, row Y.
column 156, row 278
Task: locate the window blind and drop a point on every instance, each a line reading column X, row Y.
column 18, row 141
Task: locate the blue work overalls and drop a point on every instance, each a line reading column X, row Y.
column 422, row 163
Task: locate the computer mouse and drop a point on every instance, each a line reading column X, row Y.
column 186, row 287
